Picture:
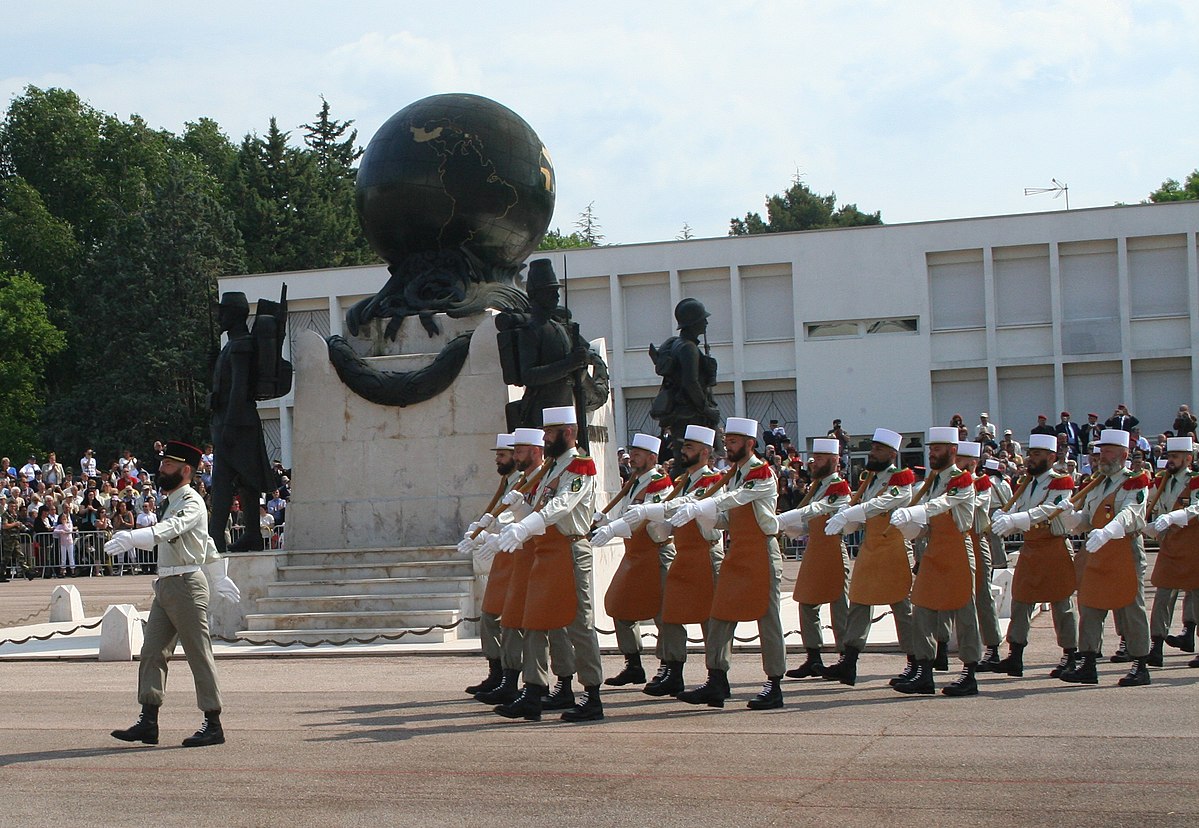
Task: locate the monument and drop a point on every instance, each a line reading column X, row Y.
column 688, row 376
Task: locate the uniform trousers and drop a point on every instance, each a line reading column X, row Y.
column 1164, row 601
column 179, row 614
column 809, row 623
column 858, row 621
column 489, row 634
column 1065, row 623
column 930, row 626
column 719, row 644
column 581, row 631
column 984, row 602
column 1132, row 621
column 562, row 654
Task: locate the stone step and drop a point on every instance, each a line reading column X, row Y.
column 371, row 586
column 365, row 602
column 327, row 557
column 382, row 619
column 436, row 636
column 359, row 571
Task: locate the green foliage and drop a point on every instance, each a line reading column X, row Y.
column 589, row 226
column 1171, row 190
column 554, row 240
column 28, row 340
column 801, row 209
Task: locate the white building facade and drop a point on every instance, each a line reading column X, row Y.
column 898, row 326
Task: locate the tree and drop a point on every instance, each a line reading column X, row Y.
column 801, row 209
column 29, row 341
column 554, row 240
column 589, row 226
column 1171, row 190
column 686, row 233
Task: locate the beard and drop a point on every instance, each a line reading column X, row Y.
column 557, row 447
column 737, row 455
column 877, row 465
column 505, row 469
column 1038, row 468
column 168, row 482
column 1109, row 468
column 823, row 469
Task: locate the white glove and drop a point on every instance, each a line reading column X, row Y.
column 850, row 514
column 129, row 539
column 119, row 544
column 1010, row 524
column 602, row 536
column 790, row 520
column 836, row 524
column 219, row 581
column 483, row 556
column 917, row 515
column 1072, row 520
column 1099, row 537
column 483, row 522
column 490, row 545
column 693, row 510
column 600, row 519
column 1178, row 517
column 1065, row 506
column 512, row 498
column 997, row 513
column 514, row 535
column 1151, row 530
column 910, row 530
column 654, row 512
column 706, row 517
column 684, row 515
column 620, row 528
column 467, row 546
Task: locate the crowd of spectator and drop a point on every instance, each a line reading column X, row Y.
column 57, row 517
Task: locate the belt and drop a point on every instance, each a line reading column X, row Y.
column 167, row 571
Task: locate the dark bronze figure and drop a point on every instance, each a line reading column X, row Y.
column 688, row 375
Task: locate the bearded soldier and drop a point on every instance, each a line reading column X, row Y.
column 1176, row 507
column 984, row 603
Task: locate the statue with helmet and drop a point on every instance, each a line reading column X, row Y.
column 688, row 374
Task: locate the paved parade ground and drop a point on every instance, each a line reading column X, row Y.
column 392, row 740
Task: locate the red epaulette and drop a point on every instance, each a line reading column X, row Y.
column 708, row 480
column 658, row 485
column 1141, row 481
column 962, row 481
column 583, row 465
column 902, row 478
column 981, row 484
column 841, row 487
column 1065, row 484
column 762, row 472
column 1194, row 484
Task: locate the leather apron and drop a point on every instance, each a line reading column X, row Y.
column 690, row 585
column 497, row 583
column 821, row 578
column 944, row 582
column 635, row 593
column 551, row 601
column 881, row 573
column 743, row 592
column 1109, row 577
column 1045, row 569
column 1177, row 564
column 513, row 613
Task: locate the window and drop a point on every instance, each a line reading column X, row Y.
column 892, row 326
column 857, row 327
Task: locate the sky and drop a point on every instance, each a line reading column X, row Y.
column 667, row 114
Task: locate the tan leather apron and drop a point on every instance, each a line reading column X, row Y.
column 635, row 593
column 881, row 573
column 1109, row 577
column 497, row 583
column 743, row 592
column 513, row 613
column 1045, row 569
column 944, row 581
column 551, row 601
column 1177, row 565
column 821, row 577
column 690, row 586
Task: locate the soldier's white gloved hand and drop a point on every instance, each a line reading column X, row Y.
column 790, row 520
column 483, row 556
column 490, row 545
column 483, row 522
column 1151, row 530
column 835, row 524
column 910, row 530
column 516, row 534
column 599, row 519
column 995, row 514
column 602, row 536
column 849, row 515
column 620, row 528
column 119, row 543
column 634, row 513
column 684, row 515
column 917, row 515
column 655, row 512
column 703, row 510
column 219, row 581
column 1178, row 517
column 1099, row 537
column 512, row 498
column 1065, row 505
column 706, row 517
column 129, row 539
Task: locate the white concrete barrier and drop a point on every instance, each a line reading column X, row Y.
column 1001, row 579
column 65, row 604
column 120, row 633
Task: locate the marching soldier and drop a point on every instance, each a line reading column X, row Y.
column 1000, row 494
column 490, row 632
column 1111, row 579
column 882, row 572
column 1176, row 507
column 824, row 571
column 508, row 583
column 635, row 593
column 984, row 602
column 943, row 592
column 691, row 578
column 561, row 590
column 748, row 589
column 1045, row 571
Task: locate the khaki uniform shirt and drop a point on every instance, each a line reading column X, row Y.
column 182, row 533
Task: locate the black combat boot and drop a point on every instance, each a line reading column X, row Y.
column 812, row 668
column 658, row 676
column 1084, row 671
column 846, row 668
column 712, row 692
column 771, row 697
column 671, row 682
column 941, row 662
column 1121, row 656
column 494, row 676
column 921, row 683
column 210, row 733
column 1013, row 665
column 1154, row 659
column 633, row 672
column 505, row 692
column 989, row 661
column 907, row 673
column 1138, row 674
column 144, row 730
column 1194, row 662
column 1069, row 662
column 526, row 706
column 1185, row 641
column 562, row 697
column 964, row 685
column 589, row 708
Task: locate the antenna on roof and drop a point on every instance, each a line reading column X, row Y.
column 1058, row 189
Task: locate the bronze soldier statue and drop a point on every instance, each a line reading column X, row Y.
column 688, row 376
